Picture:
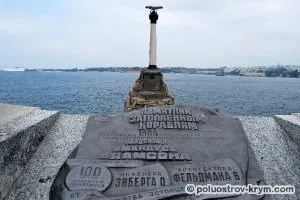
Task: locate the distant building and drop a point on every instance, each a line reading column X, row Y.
column 14, row 69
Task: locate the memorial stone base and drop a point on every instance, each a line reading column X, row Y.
column 149, row 90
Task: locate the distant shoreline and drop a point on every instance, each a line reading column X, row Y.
column 138, row 71
column 287, row 71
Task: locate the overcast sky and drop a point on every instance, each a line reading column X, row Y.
column 193, row 33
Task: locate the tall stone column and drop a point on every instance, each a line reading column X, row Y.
column 153, row 16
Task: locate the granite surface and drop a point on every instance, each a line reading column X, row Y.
column 9, row 112
column 35, row 182
column 277, row 153
column 19, row 138
column 291, row 125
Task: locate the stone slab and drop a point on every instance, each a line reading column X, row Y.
column 19, row 138
column 277, row 153
column 36, row 180
column 9, row 112
column 296, row 114
column 291, row 125
column 293, row 118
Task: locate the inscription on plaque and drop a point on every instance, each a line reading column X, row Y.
column 152, row 194
column 167, row 118
column 80, row 194
column 140, row 179
column 144, row 177
column 88, row 177
column 145, row 152
column 216, row 172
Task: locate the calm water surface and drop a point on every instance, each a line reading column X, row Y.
column 106, row 92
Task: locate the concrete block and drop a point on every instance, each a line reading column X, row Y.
column 9, row 112
column 277, row 154
column 296, row 114
column 21, row 132
column 291, row 125
column 36, row 180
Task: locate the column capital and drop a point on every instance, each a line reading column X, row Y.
column 153, row 16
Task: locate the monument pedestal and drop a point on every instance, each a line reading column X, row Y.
column 149, row 90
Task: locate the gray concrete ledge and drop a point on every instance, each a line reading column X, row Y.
column 20, row 135
column 296, row 114
column 37, row 178
column 291, row 125
column 276, row 153
column 9, row 112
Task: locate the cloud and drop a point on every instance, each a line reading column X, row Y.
column 91, row 33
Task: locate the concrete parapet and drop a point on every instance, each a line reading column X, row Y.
column 8, row 112
column 21, row 131
column 36, row 180
column 291, row 125
column 277, row 154
column 296, row 114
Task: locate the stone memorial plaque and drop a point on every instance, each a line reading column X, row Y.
column 88, row 177
column 153, row 153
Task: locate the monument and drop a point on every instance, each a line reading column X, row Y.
column 150, row 89
column 155, row 150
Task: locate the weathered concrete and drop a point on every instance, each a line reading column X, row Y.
column 277, row 153
column 291, row 125
column 8, row 112
column 64, row 136
column 20, row 134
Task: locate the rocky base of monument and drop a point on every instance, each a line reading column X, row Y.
column 135, row 102
column 142, row 97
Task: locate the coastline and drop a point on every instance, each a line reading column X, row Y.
column 138, row 71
